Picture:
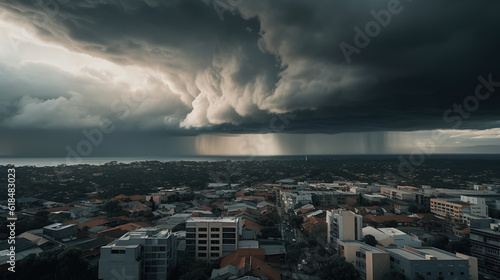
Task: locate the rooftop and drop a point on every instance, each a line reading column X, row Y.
column 212, row 219
column 412, row 253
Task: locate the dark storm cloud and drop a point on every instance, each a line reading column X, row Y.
column 274, row 57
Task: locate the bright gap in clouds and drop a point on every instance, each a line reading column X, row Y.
column 393, row 142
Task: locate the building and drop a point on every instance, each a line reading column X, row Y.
column 485, row 246
column 429, row 262
column 391, row 236
column 371, row 262
column 146, row 254
column 213, row 238
column 343, row 225
column 62, row 232
column 400, row 194
column 449, row 208
column 290, row 199
column 478, row 205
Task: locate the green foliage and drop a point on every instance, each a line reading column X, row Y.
column 461, row 246
column 68, row 264
column 440, row 241
column 394, row 275
column 267, row 232
column 337, row 268
column 370, row 240
column 113, row 208
column 296, row 221
column 293, row 252
column 270, row 219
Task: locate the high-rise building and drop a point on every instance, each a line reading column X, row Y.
column 145, row 254
column 372, row 263
column 343, row 225
column 485, row 246
column 213, row 238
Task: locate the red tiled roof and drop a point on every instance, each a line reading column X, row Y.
column 249, row 225
column 61, row 208
column 255, row 258
column 94, row 223
column 381, row 219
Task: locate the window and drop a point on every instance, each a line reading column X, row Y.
column 228, row 229
column 190, row 229
column 202, row 235
column 190, row 241
column 202, row 242
column 228, row 241
column 214, row 235
column 215, row 248
column 214, row 242
column 190, row 235
column 202, row 229
column 117, row 252
column 214, row 255
column 451, row 273
column 215, row 229
column 202, row 248
column 429, row 273
column 229, row 235
column 462, row 273
column 202, row 255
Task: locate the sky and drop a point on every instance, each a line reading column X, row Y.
column 248, row 77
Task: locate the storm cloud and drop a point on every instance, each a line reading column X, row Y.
column 187, row 67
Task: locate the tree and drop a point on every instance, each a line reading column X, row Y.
column 440, row 241
column 293, row 253
column 370, row 240
column 113, row 207
column 267, row 232
column 394, row 275
column 337, row 268
column 296, row 221
column 461, row 246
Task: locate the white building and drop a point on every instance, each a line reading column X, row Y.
column 478, row 205
column 147, row 253
column 343, row 225
column 391, row 236
column 213, row 238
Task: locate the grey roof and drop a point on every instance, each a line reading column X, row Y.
column 273, row 249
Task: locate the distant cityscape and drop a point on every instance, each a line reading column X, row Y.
column 269, row 219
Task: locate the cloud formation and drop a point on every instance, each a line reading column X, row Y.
column 196, row 74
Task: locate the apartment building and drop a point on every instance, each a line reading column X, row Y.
column 449, row 208
column 485, row 246
column 428, row 262
column 146, row 254
column 290, row 199
column 213, row 238
column 371, row 262
column 400, row 194
column 343, row 225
